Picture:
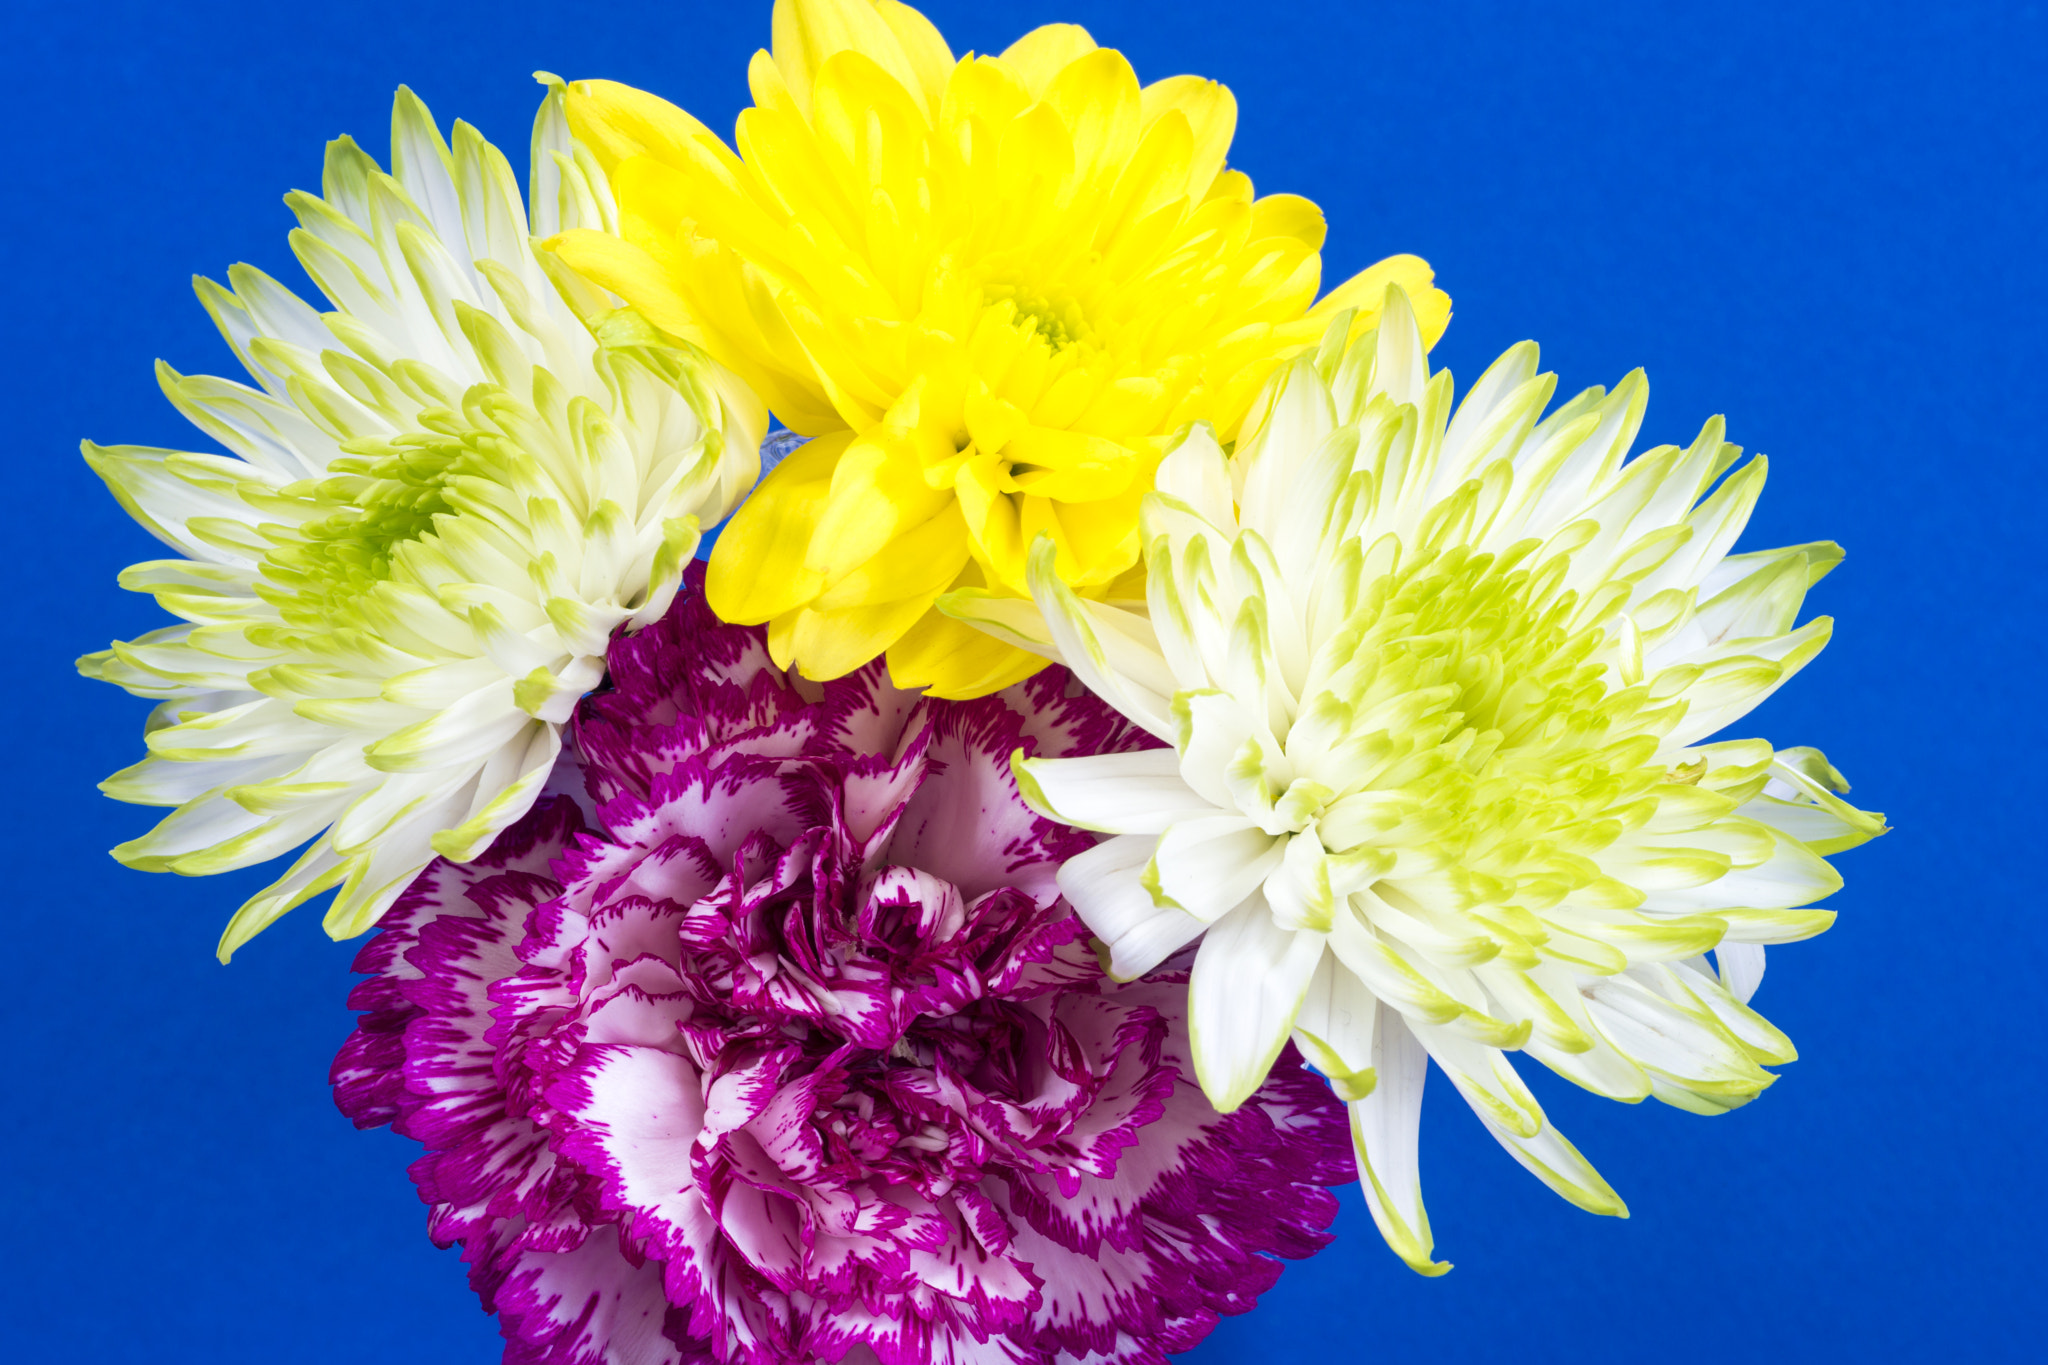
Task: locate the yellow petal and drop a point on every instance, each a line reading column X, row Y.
column 981, row 91
column 1155, row 178
column 824, row 645
column 922, row 562
column 952, row 659
column 992, row 521
column 1070, row 465
column 1043, row 53
column 1096, row 98
column 877, row 493
column 757, row 568
column 616, row 122
column 760, row 333
column 1234, row 185
column 1098, row 540
column 631, row 273
column 923, row 48
column 1211, row 112
column 1289, row 215
column 1365, row 290
column 808, row 33
column 990, row 420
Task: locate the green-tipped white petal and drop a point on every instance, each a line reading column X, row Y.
column 443, row 499
column 1111, row 795
column 1249, row 978
column 1107, row 885
column 1337, row 1029
column 1208, row 865
column 1386, row 1137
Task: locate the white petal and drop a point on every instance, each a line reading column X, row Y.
column 1792, row 876
column 1013, row 620
column 1385, row 1128
column 1249, row 979
column 1106, row 886
column 1742, row 968
column 1335, row 1028
column 1134, row 793
column 1732, row 687
column 1197, row 474
column 1503, row 1103
column 1207, row 866
column 1300, row 418
column 1759, row 1037
column 1401, row 366
column 1210, row 728
column 1108, row 655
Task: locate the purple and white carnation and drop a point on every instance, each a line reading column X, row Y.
column 775, row 1042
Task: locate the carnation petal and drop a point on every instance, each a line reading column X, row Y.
column 589, row 1304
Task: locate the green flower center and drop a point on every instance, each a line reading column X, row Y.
column 1057, row 324
column 384, row 495
column 1482, row 674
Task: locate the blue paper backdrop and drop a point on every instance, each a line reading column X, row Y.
column 1822, row 220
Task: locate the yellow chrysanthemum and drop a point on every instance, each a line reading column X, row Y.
column 992, row 289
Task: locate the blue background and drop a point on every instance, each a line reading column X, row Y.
column 1825, row 221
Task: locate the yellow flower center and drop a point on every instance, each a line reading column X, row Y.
column 1058, row 325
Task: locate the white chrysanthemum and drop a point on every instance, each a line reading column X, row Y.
column 446, row 496
column 1437, row 688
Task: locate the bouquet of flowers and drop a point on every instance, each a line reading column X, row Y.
column 933, row 735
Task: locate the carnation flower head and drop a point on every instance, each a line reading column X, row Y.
column 1440, row 687
column 788, row 1049
column 992, row 288
column 442, row 499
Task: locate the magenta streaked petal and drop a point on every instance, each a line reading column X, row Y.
column 632, row 1115
column 971, row 828
column 588, row 1306
column 739, row 1095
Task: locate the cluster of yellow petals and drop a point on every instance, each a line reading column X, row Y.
column 991, row 289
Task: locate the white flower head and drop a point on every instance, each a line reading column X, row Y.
column 444, row 497
column 1438, row 688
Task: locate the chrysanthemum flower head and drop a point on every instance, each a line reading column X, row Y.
column 992, row 288
column 1440, row 687
column 443, row 497
column 795, row 1054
